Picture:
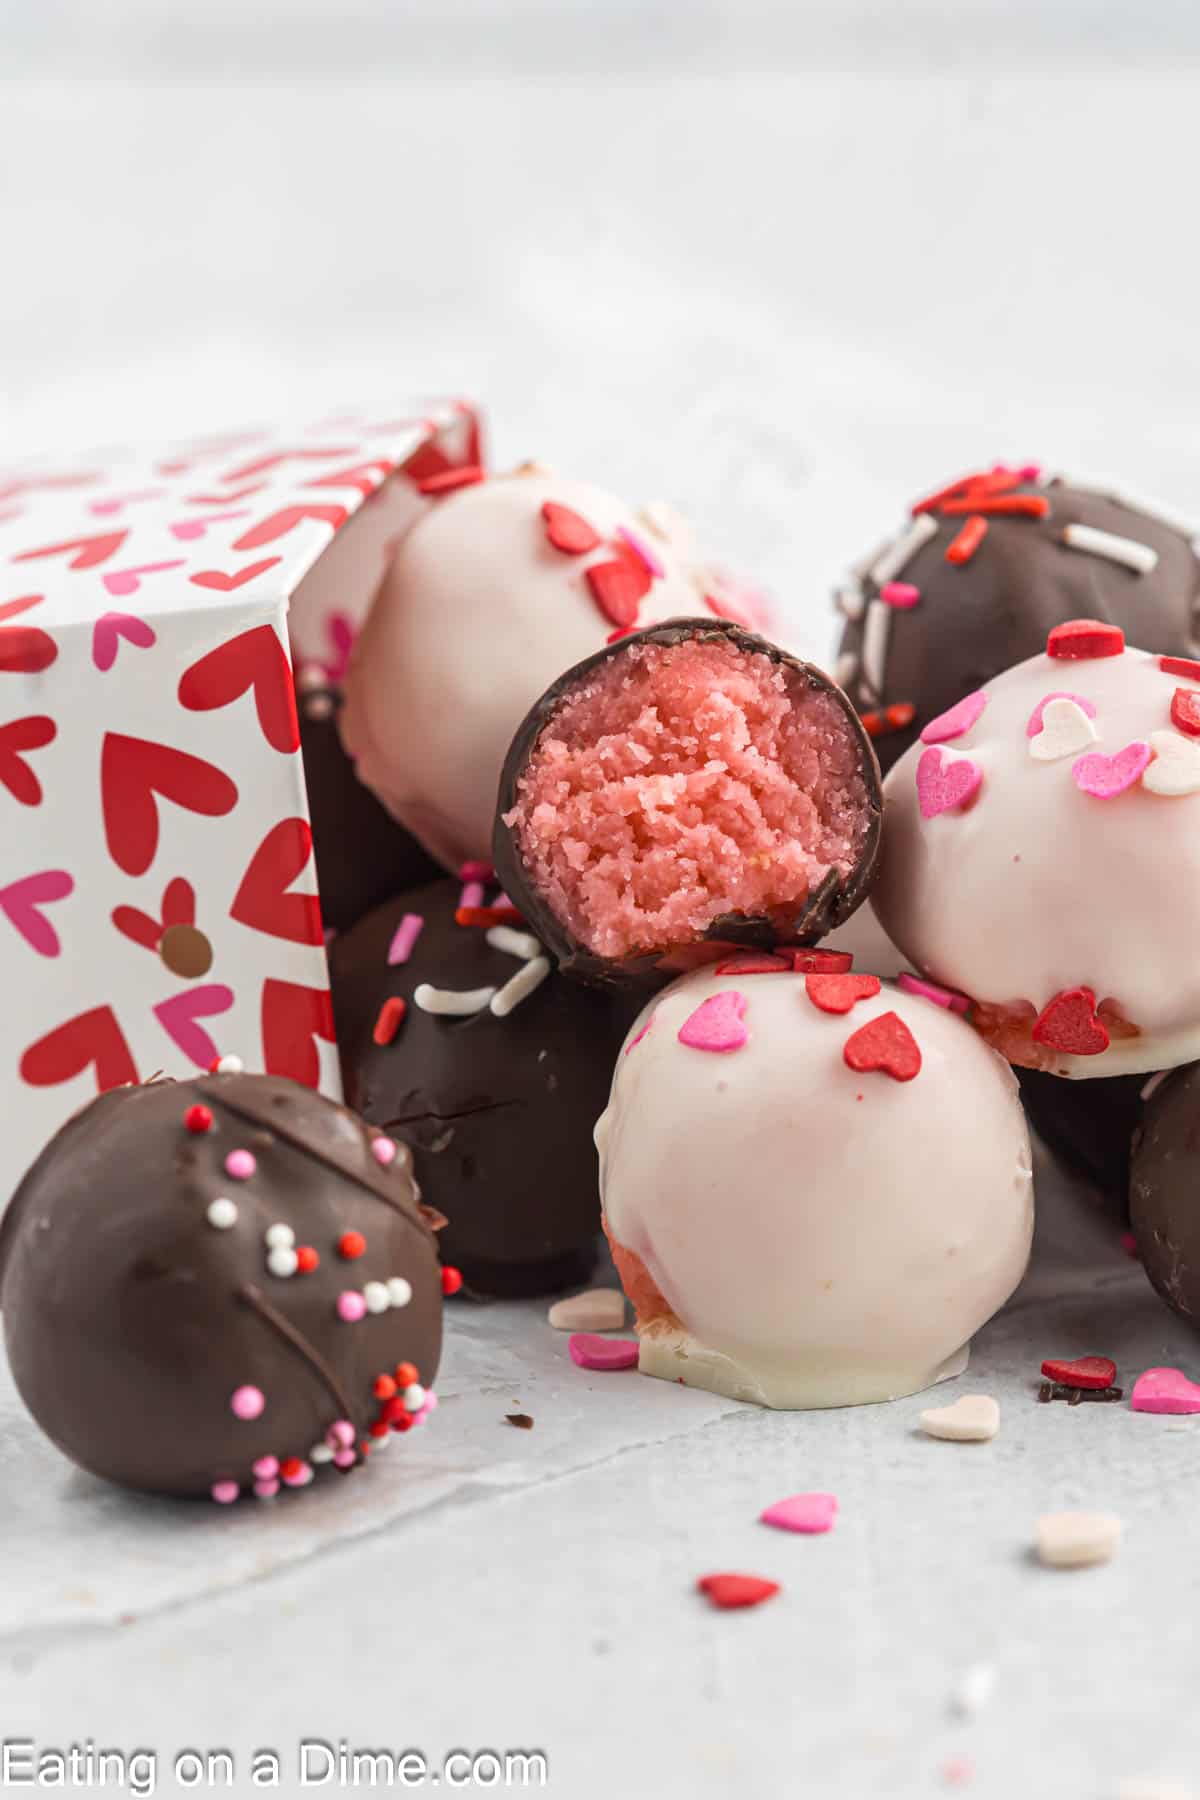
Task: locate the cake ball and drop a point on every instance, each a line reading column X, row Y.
column 981, row 571
column 817, row 1187
column 1089, row 1126
column 1163, row 1187
column 495, row 591
column 457, row 1034
column 363, row 855
column 213, row 1287
column 686, row 789
column 1042, row 855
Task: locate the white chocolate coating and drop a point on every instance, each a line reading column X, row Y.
column 1037, row 887
column 475, row 619
column 815, row 1248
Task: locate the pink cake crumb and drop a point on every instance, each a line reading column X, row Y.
column 682, row 782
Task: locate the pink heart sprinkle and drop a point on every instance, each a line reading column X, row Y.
column 956, row 720
column 809, row 1513
column 930, row 990
column 1165, row 1391
column 899, row 593
column 1104, row 777
column 112, row 626
column 22, row 901
column 592, row 1352
column 716, row 1023
column 1035, row 717
column 943, row 785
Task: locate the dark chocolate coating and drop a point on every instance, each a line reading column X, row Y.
column 1089, row 1125
column 362, row 853
column 499, row 1111
column 130, row 1319
column 826, row 907
column 1164, row 1191
column 978, row 618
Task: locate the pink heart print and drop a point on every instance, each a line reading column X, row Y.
column 945, row 784
column 188, row 531
column 109, row 628
column 716, row 1023
column 123, row 582
column 179, row 1014
column 956, row 720
column 1104, row 777
column 22, row 902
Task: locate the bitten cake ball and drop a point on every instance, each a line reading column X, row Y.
column 1042, row 856
column 490, row 596
column 684, row 790
column 213, row 1287
column 1163, row 1189
column 979, row 574
column 816, row 1188
column 457, row 1034
column 363, row 855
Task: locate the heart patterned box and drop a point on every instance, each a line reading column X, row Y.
column 158, row 902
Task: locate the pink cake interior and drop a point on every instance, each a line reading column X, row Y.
column 677, row 783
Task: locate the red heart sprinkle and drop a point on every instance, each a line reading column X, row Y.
column 737, row 1590
column 617, row 588
column 568, row 531
column 1083, row 1372
column 754, row 963
column 838, row 993
column 1185, row 711
column 885, row 1046
column 1081, row 639
column 821, row 962
column 1180, row 665
column 1069, row 1023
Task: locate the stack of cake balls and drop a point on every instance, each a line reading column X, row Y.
column 583, row 833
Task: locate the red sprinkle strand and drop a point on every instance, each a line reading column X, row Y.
column 391, row 1017
column 351, row 1245
column 1180, row 665
column 963, row 547
column 485, row 916
column 198, row 1118
column 1026, row 506
column 451, row 1282
column 892, row 718
column 1082, row 640
column 449, row 480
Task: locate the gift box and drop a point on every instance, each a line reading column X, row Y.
column 158, row 904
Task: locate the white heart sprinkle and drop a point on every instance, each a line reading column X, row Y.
column 1075, row 1540
column 1176, row 765
column 599, row 1309
column 972, row 1419
column 1066, row 729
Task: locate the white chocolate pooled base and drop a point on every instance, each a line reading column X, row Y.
column 812, row 1248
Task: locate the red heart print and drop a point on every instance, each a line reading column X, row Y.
column 24, row 734
column 262, row 901
column 275, row 459
column 617, row 588
column 292, row 1016
column 132, row 772
column 1083, row 1372
column 838, row 993
column 1078, row 640
column 278, row 524
column 89, row 551
column 1185, row 711
column 25, row 650
column 255, row 659
column 883, row 1046
column 110, row 628
column 568, row 531
column 178, row 1016
column 1069, row 1023
column 448, row 481
column 11, row 608
column 226, row 584
column 728, row 1591
column 90, row 1040
column 23, row 900
column 243, row 493
column 364, row 477
column 178, row 908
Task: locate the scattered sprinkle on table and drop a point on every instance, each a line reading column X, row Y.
column 974, row 1689
column 1082, row 1371
column 591, row 1352
column 1165, row 1391
column 1077, row 1540
column 729, row 1591
column 809, row 1513
column 972, row 1419
column 522, row 1421
column 599, row 1309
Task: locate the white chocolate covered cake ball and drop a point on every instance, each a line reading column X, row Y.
column 1042, row 856
column 816, row 1188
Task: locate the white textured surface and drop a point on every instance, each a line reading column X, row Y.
column 789, row 300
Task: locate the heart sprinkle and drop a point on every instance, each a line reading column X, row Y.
column 617, row 588
column 807, row 1513
column 1104, row 777
column 945, row 785
column 1082, row 1372
column 1176, row 767
column 590, row 1352
column 1069, row 1023
column 716, row 1023
column 1180, row 665
column 884, row 1045
column 931, row 990
column 1066, row 729
column 726, row 1591
column 1082, row 640
column 1165, row 1391
column 1035, row 717
column 972, row 1419
column 568, row 531
column 956, row 720
column 599, row 1309
column 755, row 962
column 1077, row 1540
column 821, row 962
column 838, row 993
column 1185, row 711
column 899, row 593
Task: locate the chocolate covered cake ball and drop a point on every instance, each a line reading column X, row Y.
column 687, row 789
column 1089, row 1126
column 817, row 1188
column 1042, row 856
column 492, row 594
column 1163, row 1189
column 362, row 853
column 458, row 1034
column 982, row 570
column 212, row 1287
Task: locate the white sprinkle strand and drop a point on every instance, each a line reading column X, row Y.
column 231, row 1065
column 283, row 1262
column 896, row 558
column 846, row 668
column 376, row 1296
column 446, row 1001
column 975, row 1688
column 222, row 1213
column 875, row 643
column 514, row 943
column 279, row 1237
column 1138, row 557
column 850, row 601
column 520, row 987
column 1153, row 1084
column 399, row 1291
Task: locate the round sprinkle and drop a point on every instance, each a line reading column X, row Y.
column 399, row 1291
column 383, row 1387
column 247, row 1402
column 295, row 1473
column 282, row 1262
column 307, row 1259
column 351, row 1306
column 341, row 1432
column 321, row 1453
column 376, row 1296
column 266, row 1468
column 451, row 1280
column 414, row 1397
column 229, row 1065
column 266, row 1490
column 198, row 1119
column 351, row 1245
column 222, row 1213
column 379, row 1429
column 225, row 1492
column 344, row 1459
column 406, row 1374
column 240, row 1165
column 383, row 1150
column 279, row 1237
